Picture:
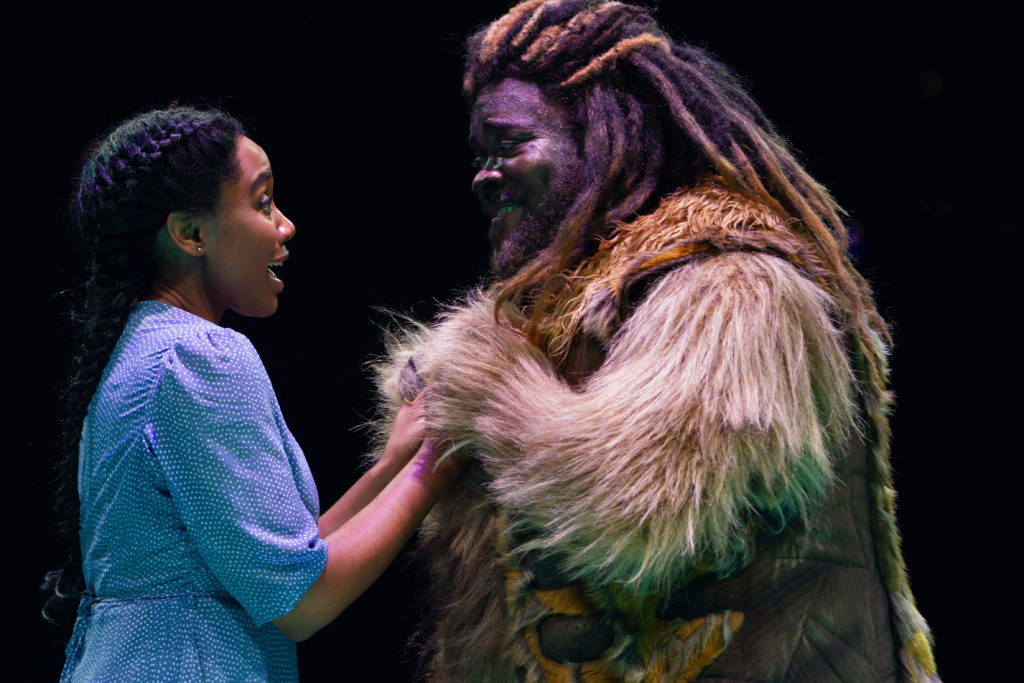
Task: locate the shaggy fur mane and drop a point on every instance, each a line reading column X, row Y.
column 722, row 397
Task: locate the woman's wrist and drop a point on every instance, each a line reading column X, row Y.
column 392, row 459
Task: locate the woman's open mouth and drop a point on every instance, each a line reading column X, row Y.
column 270, row 269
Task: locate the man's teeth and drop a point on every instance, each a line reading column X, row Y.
column 508, row 207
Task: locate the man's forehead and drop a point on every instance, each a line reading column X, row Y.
column 512, row 102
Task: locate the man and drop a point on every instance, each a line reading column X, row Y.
column 674, row 394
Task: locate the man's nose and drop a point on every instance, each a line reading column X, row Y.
column 486, row 178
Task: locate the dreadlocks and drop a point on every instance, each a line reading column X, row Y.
column 653, row 115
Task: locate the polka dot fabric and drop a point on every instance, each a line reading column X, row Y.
column 199, row 513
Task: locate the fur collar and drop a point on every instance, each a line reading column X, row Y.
column 694, row 223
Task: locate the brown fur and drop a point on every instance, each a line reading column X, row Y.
column 720, row 401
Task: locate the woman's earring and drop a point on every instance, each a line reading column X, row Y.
column 199, row 250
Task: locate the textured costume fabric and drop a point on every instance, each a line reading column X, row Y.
column 699, row 502
column 198, row 511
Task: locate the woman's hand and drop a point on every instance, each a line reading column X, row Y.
column 439, row 472
column 406, row 437
column 406, row 434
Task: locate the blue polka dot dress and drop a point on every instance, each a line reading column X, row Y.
column 198, row 511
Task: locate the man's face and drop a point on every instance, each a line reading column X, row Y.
column 530, row 169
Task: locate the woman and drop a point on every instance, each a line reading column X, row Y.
column 202, row 548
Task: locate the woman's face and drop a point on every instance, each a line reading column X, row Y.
column 245, row 239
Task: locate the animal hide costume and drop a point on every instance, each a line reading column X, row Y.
column 698, row 490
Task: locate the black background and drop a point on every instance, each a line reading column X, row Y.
column 906, row 115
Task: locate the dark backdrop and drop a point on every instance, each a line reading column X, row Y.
column 901, row 114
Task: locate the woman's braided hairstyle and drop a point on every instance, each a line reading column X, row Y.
column 652, row 116
column 166, row 160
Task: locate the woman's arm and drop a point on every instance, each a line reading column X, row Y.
column 363, row 546
column 230, row 475
column 406, row 437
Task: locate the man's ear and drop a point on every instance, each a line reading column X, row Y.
column 186, row 231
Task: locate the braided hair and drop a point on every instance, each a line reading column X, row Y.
column 161, row 161
column 652, row 115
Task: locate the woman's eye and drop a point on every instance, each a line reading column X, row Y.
column 265, row 203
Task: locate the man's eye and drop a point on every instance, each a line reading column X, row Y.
column 265, row 203
column 478, row 162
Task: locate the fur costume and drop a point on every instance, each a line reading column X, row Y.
column 696, row 505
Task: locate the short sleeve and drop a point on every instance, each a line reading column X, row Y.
column 216, row 436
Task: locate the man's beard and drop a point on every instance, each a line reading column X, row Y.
column 535, row 230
